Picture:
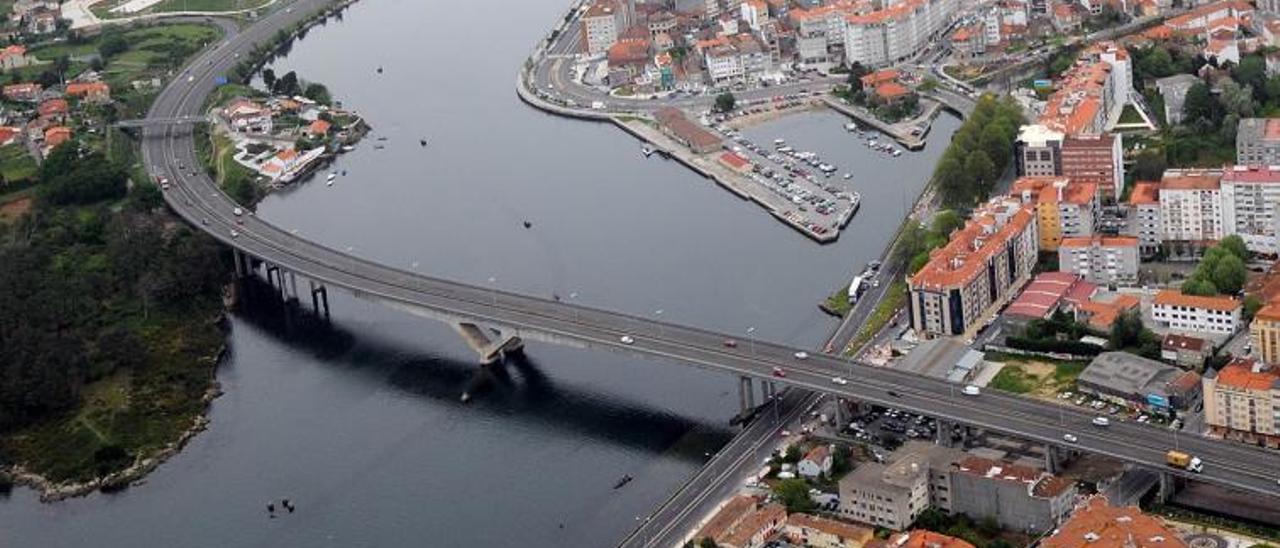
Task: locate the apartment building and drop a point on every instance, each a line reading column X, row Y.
column 1064, row 208
column 985, row 263
column 1195, row 314
column 1096, row 159
column 1038, row 151
column 1242, row 402
column 1144, row 211
column 820, row 31
column 1250, row 195
column 895, row 32
column 1097, row 524
column 1111, row 260
column 1092, row 94
column 601, row 25
column 1191, row 207
column 894, row 493
column 1264, row 332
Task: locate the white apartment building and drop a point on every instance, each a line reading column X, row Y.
column 1191, row 206
column 724, row 64
column 991, row 26
column 1144, row 204
column 601, row 26
column 1101, row 260
column 1250, row 195
column 896, row 32
column 1195, row 314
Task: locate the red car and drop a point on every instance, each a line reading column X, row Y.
column 730, row 343
column 778, row 372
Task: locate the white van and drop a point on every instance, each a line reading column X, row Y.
column 972, row 390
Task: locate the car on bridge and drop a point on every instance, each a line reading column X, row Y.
column 626, row 339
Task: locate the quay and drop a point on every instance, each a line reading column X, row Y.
column 900, row 131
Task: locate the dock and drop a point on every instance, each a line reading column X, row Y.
column 900, row 131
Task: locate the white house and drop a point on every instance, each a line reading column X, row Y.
column 816, row 462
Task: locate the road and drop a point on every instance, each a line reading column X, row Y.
column 170, row 152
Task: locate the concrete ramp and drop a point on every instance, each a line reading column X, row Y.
column 490, row 343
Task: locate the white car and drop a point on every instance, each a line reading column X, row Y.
column 626, row 339
column 234, row 234
column 1101, row 421
column 801, row 355
column 1070, row 438
column 972, row 390
column 238, row 212
column 839, row 380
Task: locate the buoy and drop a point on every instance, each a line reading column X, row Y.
column 379, row 70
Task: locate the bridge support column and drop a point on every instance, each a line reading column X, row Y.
column 273, row 272
column 746, row 395
column 1166, row 487
column 319, row 295
column 242, row 268
column 293, row 281
column 842, row 414
column 489, row 342
column 944, row 436
column 1053, row 457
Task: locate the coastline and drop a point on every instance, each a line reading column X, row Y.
column 143, row 464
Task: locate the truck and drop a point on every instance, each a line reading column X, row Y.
column 1178, row 459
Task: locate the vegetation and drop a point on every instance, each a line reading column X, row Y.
column 984, row 533
column 1060, row 333
column 894, row 299
column 107, row 322
column 794, row 493
column 725, row 102
column 979, row 152
column 916, row 242
column 1221, row 270
column 1129, row 335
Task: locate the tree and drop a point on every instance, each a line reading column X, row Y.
column 1235, row 245
column 1199, row 286
column 725, row 102
column 856, row 72
column 707, row 542
column 1157, row 64
column 287, row 85
column 269, row 78
column 946, row 222
column 1200, row 106
column 1125, row 330
column 1236, row 99
column 1149, row 165
column 1251, row 306
column 979, row 168
column 1229, row 274
column 794, row 493
column 995, row 145
column 1251, row 72
column 112, row 45
column 318, row 93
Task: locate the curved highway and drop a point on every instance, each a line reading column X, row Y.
column 169, row 151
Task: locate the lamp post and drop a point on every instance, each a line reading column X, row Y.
column 493, row 289
column 751, row 340
column 658, row 314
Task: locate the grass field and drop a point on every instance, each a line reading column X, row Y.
column 152, row 51
column 103, row 9
column 894, row 298
column 1036, row 377
column 15, row 164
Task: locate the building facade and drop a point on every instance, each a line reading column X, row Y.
column 984, row 264
column 1111, row 260
column 1144, row 210
column 896, row 32
column 1242, row 402
column 1191, row 207
column 1195, row 314
column 1264, row 332
column 601, row 26
column 1258, row 142
column 1020, row 498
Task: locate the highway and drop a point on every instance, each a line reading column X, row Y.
column 169, row 151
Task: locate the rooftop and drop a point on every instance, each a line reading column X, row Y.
column 1129, row 374
column 1191, row 179
column 1173, row 297
column 1174, row 341
column 1100, row 525
column 1102, row 314
column 1102, row 241
column 1145, row 193
column 1247, row 374
column 988, row 232
column 831, row 527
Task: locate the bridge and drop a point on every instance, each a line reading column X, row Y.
column 496, row 322
column 156, row 122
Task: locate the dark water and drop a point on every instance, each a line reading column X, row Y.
column 360, row 424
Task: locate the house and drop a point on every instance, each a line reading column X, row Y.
column 27, row 92
column 248, row 116
column 674, row 123
column 318, row 128
column 816, row 462
column 878, row 78
column 1185, row 350
column 927, row 539
column 1066, row 18
column 288, row 163
column 53, row 108
column 96, row 92
column 14, row 56
column 1097, row 524
column 9, row 135
column 807, row 530
column 891, row 92
column 1100, row 314
column 55, row 136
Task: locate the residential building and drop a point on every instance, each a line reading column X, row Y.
column 96, row 92
column 1199, row 20
column 896, row 32
column 1242, row 402
column 1264, row 332
column 675, row 125
column 1174, row 90
column 1134, row 381
column 726, row 518
column 1250, row 195
column 1091, row 95
column 816, row 462
column 1258, row 142
column 55, row 136
column 245, row 115
column 24, row 92
column 1095, row 158
column 318, row 128
column 1144, row 206
column 817, row 532
column 601, row 26
column 756, row 528
column 15, row 56
column 1064, row 208
column 1038, row 151
column 820, row 32
column 1191, row 207
column 1097, row 524
column 894, row 493
column 928, row 539
column 1184, row 350
column 969, row 41
column 985, row 263
column 1111, row 260
column 1100, row 312
column 1020, row 498
column 1195, row 314
column 53, row 108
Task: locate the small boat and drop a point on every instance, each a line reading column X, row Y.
column 623, row 481
column 344, row 173
column 382, row 138
column 348, row 148
column 848, row 176
column 851, row 126
column 332, row 176
column 897, row 152
column 379, row 70
column 328, row 183
column 646, row 150
column 528, row 224
column 779, row 142
column 422, row 142
column 378, row 147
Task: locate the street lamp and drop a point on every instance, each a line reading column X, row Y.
column 751, row 340
column 493, row 289
column 658, row 314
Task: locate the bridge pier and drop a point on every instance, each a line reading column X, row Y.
column 319, row 295
column 1053, row 458
column 489, row 342
column 842, row 415
column 746, row 395
column 242, row 268
column 1166, row 488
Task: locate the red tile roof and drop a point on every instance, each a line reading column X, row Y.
column 1246, row 374
column 1145, row 193
column 1100, row 525
column 1172, row 297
